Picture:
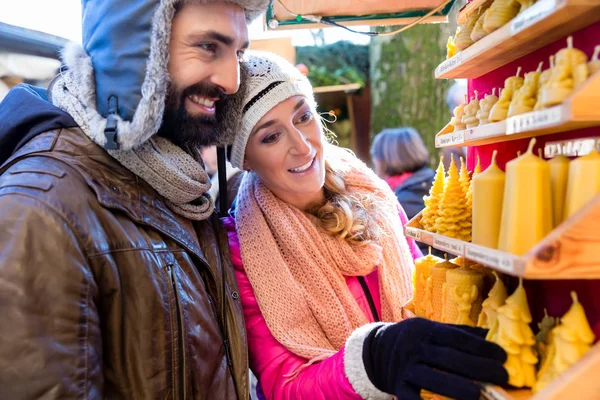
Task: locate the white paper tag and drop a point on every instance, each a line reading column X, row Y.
column 450, row 139
column 450, row 245
column 498, row 260
column 534, row 120
column 532, row 15
column 412, row 233
column 449, row 64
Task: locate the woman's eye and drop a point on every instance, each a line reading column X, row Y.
column 272, row 138
column 306, row 117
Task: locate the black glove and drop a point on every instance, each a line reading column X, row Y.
column 403, row 358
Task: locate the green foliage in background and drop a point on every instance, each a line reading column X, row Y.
column 339, row 63
column 404, row 91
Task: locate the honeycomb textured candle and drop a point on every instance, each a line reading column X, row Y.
column 437, row 295
column 430, row 212
column 454, row 218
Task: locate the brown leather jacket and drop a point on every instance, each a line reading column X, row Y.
column 106, row 293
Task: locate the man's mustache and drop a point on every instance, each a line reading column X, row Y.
column 204, row 90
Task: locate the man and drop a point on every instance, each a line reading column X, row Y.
column 115, row 280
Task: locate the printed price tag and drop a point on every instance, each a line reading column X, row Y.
column 450, row 139
column 532, row 15
column 534, row 120
column 448, row 244
column 412, row 233
column 498, row 260
column 447, row 65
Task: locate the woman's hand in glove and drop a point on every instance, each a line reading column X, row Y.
column 403, row 358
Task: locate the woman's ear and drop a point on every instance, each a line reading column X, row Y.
column 247, row 166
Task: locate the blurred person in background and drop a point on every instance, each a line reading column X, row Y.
column 402, row 160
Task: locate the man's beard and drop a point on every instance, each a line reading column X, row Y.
column 195, row 131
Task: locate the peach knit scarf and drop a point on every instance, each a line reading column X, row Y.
column 297, row 270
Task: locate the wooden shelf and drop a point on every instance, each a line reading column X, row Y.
column 543, row 23
column 349, row 88
column 580, row 110
column 570, row 251
column 579, row 382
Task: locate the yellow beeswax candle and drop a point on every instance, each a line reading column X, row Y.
column 422, row 274
column 559, row 175
column 489, row 308
column 431, row 210
column 527, row 205
column 569, row 341
column 454, row 217
column 488, row 195
column 511, row 331
column 584, row 182
column 476, row 171
column 438, row 285
column 464, row 295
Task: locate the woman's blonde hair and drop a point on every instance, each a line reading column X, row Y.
column 345, row 215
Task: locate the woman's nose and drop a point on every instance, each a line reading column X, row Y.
column 300, row 145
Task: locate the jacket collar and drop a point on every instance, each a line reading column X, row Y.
column 417, row 177
column 115, row 187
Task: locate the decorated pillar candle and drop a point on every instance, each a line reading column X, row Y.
column 527, row 205
column 488, row 195
column 464, row 295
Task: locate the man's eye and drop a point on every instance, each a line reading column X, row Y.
column 210, row 47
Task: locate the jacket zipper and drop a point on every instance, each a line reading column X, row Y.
column 212, row 303
column 181, row 329
column 365, row 288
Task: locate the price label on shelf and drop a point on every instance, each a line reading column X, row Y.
column 534, row 120
column 449, row 64
column 412, row 233
column 450, row 139
column 449, row 245
column 498, row 260
column 532, row 15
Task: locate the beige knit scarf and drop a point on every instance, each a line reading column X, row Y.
column 172, row 172
column 297, row 270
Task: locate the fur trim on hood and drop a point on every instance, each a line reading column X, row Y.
column 94, row 75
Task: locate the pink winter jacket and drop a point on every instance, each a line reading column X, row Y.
column 271, row 362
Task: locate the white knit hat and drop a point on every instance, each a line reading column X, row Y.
column 271, row 79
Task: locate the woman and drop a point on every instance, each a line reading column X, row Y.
column 402, row 160
column 320, row 259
